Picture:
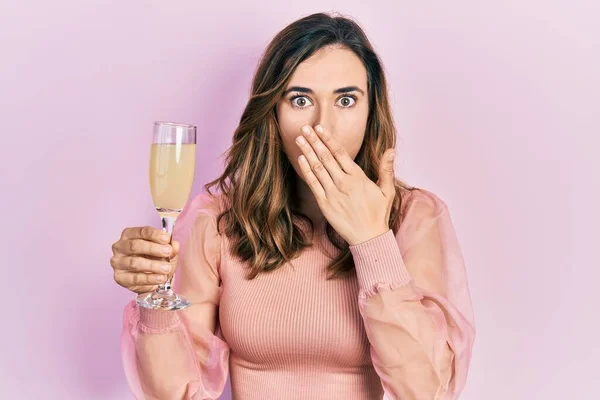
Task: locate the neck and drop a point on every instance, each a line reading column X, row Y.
column 306, row 203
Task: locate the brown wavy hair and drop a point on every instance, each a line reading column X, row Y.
column 259, row 181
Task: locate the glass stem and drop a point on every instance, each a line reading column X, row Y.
column 168, row 224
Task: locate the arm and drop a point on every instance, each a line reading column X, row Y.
column 175, row 354
column 416, row 306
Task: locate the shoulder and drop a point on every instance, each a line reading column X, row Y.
column 421, row 215
column 422, row 204
column 205, row 203
column 200, row 212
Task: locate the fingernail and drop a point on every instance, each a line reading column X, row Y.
column 305, row 129
column 165, row 267
column 319, row 128
column 161, row 278
column 166, row 249
column 165, row 238
column 301, row 140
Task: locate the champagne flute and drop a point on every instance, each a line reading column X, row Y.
column 172, row 165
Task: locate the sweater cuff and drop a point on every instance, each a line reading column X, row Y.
column 157, row 321
column 379, row 261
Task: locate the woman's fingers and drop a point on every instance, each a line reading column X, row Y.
column 141, row 258
column 130, row 280
column 147, row 233
column 141, row 264
column 143, row 247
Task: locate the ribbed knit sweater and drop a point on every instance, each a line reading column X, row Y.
column 404, row 324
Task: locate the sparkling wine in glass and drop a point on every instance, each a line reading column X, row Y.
column 172, row 165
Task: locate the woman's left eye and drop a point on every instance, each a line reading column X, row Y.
column 347, row 101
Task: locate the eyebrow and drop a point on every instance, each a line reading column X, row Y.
column 346, row 89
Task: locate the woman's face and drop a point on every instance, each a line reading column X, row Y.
column 330, row 89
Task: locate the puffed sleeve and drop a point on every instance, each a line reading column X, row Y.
column 415, row 303
column 176, row 354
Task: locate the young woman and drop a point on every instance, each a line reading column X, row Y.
column 314, row 273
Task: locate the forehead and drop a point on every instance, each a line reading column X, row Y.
column 330, row 68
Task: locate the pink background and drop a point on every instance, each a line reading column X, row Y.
column 497, row 107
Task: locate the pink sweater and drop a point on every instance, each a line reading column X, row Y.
column 403, row 325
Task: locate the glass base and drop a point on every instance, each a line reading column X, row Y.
column 162, row 300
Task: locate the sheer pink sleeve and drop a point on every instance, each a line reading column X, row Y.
column 415, row 303
column 176, row 354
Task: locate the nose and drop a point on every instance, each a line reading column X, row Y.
column 325, row 118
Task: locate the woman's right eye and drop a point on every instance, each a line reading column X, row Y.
column 300, row 102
